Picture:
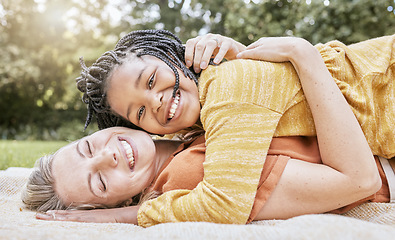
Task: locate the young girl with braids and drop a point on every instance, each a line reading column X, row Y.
column 242, row 104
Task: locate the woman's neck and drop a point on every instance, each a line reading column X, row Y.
column 164, row 148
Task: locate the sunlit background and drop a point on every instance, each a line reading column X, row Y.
column 42, row 40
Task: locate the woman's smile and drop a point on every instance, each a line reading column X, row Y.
column 107, row 167
column 130, row 153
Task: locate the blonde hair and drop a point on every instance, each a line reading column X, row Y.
column 39, row 193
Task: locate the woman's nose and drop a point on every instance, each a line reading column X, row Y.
column 105, row 159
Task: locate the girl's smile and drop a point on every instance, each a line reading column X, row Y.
column 141, row 91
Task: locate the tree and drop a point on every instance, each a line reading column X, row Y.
column 315, row 20
column 37, row 66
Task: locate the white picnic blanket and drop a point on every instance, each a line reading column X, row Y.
column 368, row 221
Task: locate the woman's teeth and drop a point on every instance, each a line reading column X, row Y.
column 129, row 153
column 174, row 106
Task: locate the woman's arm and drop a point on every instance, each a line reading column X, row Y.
column 242, row 103
column 115, row 215
column 199, row 50
column 350, row 172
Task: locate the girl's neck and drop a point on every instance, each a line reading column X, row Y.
column 164, row 148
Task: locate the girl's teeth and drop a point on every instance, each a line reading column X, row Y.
column 174, row 106
column 129, row 153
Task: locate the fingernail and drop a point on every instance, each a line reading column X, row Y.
column 196, row 70
column 188, row 63
column 216, row 60
column 203, row 65
column 238, row 55
column 42, row 216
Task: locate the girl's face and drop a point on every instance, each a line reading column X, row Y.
column 141, row 89
column 107, row 167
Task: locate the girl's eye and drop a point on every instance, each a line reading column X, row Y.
column 102, row 186
column 140, row 113
column 89, row 147
column 151, row 81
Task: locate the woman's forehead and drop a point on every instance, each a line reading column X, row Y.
column 67, row 152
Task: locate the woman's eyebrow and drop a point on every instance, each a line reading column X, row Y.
column 78, row 149
column 90, row 184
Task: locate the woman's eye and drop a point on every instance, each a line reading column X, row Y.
column 102, row 186
column 89, row 147
column 140, row 113
column 151, row 81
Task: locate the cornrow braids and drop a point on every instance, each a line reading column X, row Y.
column 161, row 44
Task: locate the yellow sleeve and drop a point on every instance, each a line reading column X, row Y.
column 365, row 74
column 241, row 107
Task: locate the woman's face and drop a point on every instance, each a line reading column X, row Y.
column 107, row 167
column 141, row 89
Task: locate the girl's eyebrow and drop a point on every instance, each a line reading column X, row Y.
column 137, row 83
column 128, row 111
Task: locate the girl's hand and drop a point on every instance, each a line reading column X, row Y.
column 199, row 50
column 275, row 49
column 112, row 215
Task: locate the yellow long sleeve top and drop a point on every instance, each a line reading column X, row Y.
column 245, row 103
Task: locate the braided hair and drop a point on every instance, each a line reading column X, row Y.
column 92, row 81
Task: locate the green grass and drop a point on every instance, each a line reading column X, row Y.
column 25, row 153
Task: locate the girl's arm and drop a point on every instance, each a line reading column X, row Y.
column 349, row 172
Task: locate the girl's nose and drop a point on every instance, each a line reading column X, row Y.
column 155, row 99
column 104, row 159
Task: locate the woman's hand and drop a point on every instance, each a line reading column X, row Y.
column 275, row 49
column 199, row 50
column 112, row 215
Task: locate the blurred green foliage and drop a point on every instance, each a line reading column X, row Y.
column 41, row 42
